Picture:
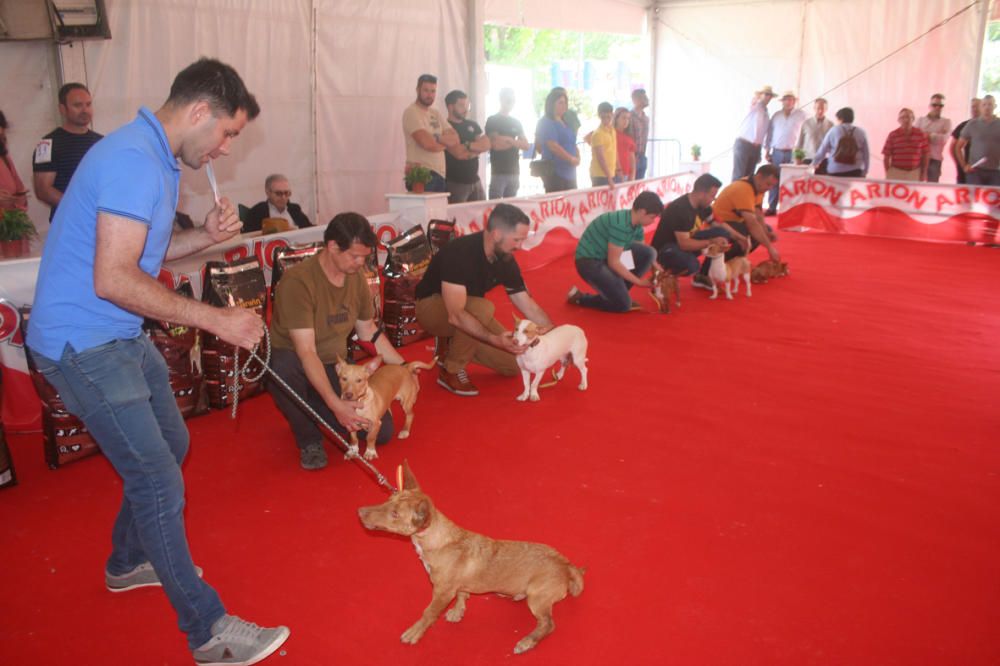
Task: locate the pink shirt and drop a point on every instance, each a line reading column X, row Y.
column 10, row 181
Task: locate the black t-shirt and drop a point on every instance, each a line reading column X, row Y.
column 957, row 134
column 60, row 151
column 504, row 162
column 679, row 215
column 463, row 261
column 463, row 171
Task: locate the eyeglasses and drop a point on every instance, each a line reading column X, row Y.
column 282, row 193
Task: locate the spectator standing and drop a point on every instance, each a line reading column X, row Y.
column 813, row 130
column 463, row 157
column 638, row 129
column 982, row 135
column 604, row 144
column 507, row 137
column 782, row 133
column 626, row 147
column 59, row 152
column 906, row 151
column 13, row 196
column 556, row 142
column 847, row 147
column 975, row 106
column 426, row 134
column 753, row 131
column 937, row 129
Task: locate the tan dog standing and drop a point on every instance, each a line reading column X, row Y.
column 665, row 289
column 735, row 268
column 461, row 563
column 566, row 344
column 375, row 388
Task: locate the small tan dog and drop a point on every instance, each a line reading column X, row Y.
column 736, row 268
column 766, row 270
column 461, row 563
column 665, row 290
column 375, row 388
column 566, row 344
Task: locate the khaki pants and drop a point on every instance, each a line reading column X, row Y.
column 464, row 348
column 892, row 173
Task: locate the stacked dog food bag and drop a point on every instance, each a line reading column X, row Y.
column 407, row 258
column 181, row 349
column 238, row 284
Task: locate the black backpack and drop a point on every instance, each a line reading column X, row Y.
column 847, row 148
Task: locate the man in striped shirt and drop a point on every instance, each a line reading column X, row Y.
column 612, row 257
column 906, row 150
column 59, row 152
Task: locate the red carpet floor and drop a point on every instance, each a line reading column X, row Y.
column 809, row 476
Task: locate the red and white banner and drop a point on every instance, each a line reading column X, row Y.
column 897, row 209
column 557, row 221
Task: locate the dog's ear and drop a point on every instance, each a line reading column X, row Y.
column 340, row 363
column 517, row 322
column 372, row 365
column 421, row 515
column 409, row 481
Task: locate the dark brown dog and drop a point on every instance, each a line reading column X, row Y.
column 766, row 270
column 665, row 290
column 461, row 563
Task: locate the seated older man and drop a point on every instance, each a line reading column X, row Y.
column 277, row 204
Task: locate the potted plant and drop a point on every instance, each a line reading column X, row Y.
column 416, row 178
column 696, row 152
column 16, row 231
column 799, row 156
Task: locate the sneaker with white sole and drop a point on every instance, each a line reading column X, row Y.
column 458, row 383
column 236, row 642
column 573, row 297
column 702, row 282
column 142, row 576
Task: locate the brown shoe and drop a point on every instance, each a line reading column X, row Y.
column 458, row 383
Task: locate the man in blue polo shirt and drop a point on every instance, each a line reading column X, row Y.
column 612, row 257
column 96, row 282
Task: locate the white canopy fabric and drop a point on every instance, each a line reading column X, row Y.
column 711, row 56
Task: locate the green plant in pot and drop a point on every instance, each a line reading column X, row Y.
column 696, row 152
column 416, row 178
column 16, row 231
column 799, row 156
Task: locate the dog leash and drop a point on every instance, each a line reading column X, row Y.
column 242, row 374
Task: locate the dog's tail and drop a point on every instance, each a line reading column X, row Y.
column 417, row 366
column 576, row 580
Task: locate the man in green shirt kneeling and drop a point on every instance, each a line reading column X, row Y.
column 612, row 257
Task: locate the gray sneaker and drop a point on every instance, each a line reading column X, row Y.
column 313, row 456
column 142, row 576
column 236, row 642
column 702, row 282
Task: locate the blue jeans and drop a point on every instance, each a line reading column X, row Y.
column 612, row 290
column 640, row 166
column 121, row 392
column 503, row 185
column 779, row 157
column 746, row 155
column 437, row 184
column 684, row 262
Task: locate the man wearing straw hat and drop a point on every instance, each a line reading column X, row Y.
column 753, row 131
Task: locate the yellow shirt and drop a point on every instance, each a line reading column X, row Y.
column 604, row 140
column 735, row 198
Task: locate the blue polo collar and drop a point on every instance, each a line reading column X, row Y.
column 161, row 135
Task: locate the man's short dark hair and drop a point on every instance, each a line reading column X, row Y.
column 506, row 218
column 426, row 78
column 768, row 171
column 346, row 229
column 67, row 89
column 214, row 82
column 705, row 182
column 845, row 115
column 453, row 97
column 605, row 107
column 649, row 202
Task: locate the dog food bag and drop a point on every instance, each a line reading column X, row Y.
column 407, row 259
column 286, row 256
column 181, row 349
column 237, row 284
column 7, row 475
column 440, row 232
column 64, row 437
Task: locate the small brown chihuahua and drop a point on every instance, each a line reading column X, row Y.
column 461, row 563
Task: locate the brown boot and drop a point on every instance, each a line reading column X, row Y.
column 458, row 383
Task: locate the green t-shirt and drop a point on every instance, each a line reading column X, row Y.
column 305, row 298
column 615, row 228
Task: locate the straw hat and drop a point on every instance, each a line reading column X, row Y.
column 767, row 90
column 789, row 93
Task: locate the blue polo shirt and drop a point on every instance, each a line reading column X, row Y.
column 130, row 173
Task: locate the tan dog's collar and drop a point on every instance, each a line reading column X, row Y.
column 534, row 343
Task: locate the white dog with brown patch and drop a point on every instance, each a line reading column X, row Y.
column 566, row 343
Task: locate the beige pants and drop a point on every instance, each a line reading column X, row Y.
column 464, row 348
column 892, row 173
